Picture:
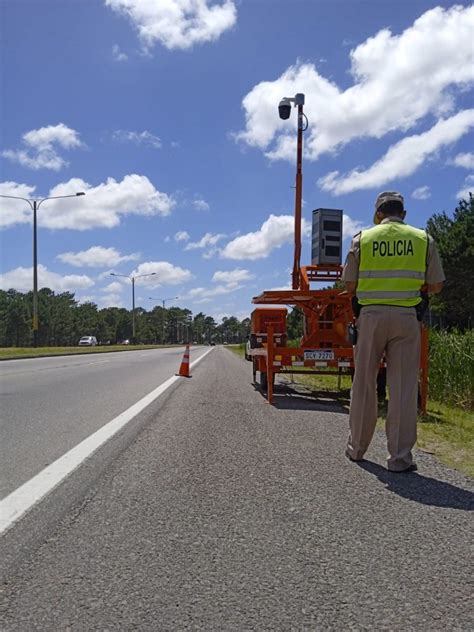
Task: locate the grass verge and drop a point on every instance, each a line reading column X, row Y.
column 445, row 431
column 448, row 433
column 12, row 353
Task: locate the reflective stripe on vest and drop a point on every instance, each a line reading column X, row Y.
column 391, row 274
column 392, row 265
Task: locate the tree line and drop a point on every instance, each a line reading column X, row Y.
column 63, row 320
column 453, row 308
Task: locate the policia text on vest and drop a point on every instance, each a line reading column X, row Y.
column 392, row 248
column 392, row 265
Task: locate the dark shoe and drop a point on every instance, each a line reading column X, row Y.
column 411, row 468
column 352, row 459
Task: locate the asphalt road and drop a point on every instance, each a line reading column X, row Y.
column 48, row 405
column 225, row 513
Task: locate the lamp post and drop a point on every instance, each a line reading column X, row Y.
column 132, row 279
column 35, row 204
column 284, row 110
column 163, row 302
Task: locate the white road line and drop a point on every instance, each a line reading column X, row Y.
column 20, row 501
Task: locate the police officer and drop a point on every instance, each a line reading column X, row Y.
column 388, row 266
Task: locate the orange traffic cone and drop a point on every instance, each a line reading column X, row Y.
column 184, row 368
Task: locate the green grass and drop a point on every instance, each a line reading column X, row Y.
column 446, row 431
column 11, row 353
column 238, row 349
column 451, row 368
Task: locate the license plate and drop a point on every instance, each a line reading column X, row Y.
column 318, row 354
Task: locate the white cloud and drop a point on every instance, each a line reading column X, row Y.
column 101, row 207
column 468, row 187
column 425, row 60
column 421, row 193
column 229, row 281
column 40, row 151
column 110, row 300
column 15, row 211
column 465, row 160
column 205, row 295
column 205, row 242
column 166, row 274
column 403, row 158
column 21, row 279
column 138, row 138
column 113, row 288
column 232, row 277
column 181, row 235
column 96, row 257
column 46, row 137
column 201, row 205
column 274, row 232
column 117, row 54
column 351, row 226
column 113, row 294
column 177, row 24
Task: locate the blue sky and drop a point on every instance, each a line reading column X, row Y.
column 166, row 114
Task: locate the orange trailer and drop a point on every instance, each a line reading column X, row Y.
column 325, row 347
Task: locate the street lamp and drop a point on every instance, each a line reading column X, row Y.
column 284, row 110
column 35, row 204
column 132, row 279
column 163, row 302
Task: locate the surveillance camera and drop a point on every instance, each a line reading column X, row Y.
column 284, row 109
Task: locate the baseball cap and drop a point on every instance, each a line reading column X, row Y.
column 386, row 196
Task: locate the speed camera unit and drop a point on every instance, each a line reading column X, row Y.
column 327, row 237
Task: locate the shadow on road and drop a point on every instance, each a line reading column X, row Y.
column 286, row 397
column 422, row 489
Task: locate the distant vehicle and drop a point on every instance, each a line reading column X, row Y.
column 213, row 344
column 125, row 342
column 88, row 341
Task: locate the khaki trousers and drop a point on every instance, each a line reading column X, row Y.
column 395, row 331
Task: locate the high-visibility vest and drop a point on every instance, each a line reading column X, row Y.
column 392, row 265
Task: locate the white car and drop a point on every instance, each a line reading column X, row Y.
column 88, row 341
